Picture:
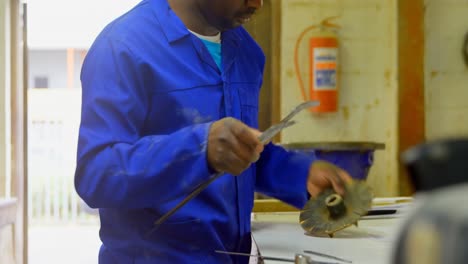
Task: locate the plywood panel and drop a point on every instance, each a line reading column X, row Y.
column 368, row 102
column 261, row 30
column 446, row 75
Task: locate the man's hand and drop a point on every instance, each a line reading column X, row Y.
column 323, row 175
column 232, row 146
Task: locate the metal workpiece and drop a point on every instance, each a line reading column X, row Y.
column 331, row 212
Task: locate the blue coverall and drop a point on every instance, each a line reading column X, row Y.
column 151, row 90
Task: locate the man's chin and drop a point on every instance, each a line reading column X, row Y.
column 232, row 25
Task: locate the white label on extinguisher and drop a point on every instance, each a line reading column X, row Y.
column 325, row 63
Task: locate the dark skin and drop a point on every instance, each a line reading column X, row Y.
column 232, row 145
column 208, row 17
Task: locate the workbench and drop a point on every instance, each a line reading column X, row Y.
column 370, row 243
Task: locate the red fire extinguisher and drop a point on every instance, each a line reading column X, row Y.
column 322, row 66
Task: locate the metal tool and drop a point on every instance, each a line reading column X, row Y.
column 298, row 259
column 255, row 256
column 327, row 256
column 264, row 138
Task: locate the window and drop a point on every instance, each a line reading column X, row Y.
column 41, row 82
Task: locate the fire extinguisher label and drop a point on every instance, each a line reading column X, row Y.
column 325, row 68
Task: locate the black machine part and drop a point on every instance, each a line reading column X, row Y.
column 437, row 164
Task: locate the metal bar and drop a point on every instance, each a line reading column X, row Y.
column 326, row 256
column 189, row 197
column 256, row 256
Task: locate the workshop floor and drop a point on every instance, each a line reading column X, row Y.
column 63, row 243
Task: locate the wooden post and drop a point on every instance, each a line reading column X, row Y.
column 276, row 7
column 265, row 29
column 4, row 95
column 18, row 126
column 411, row 109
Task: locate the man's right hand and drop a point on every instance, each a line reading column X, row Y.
column 232, row 146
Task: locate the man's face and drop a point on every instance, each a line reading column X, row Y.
column 227, row 14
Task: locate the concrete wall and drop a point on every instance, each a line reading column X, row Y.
column 368, row 92
column 446, row 76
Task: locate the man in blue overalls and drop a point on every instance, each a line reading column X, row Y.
column 170, row 96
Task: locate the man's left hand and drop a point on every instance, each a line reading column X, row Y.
column 323, row 175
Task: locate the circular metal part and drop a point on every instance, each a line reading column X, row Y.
column 330, row 212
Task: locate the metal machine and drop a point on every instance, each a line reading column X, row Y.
column 435, row 233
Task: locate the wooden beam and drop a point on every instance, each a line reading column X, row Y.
column 276, row 63
column 4, row 93
column 265, row 28
column 411, row 108
column 18, row 126
column 25, row 204
column 271, row 206
column 260, row 29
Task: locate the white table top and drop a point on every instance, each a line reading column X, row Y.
column 370, row 243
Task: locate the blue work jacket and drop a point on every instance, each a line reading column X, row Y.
column 151, row 90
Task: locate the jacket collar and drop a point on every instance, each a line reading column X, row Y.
column 173, row 27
